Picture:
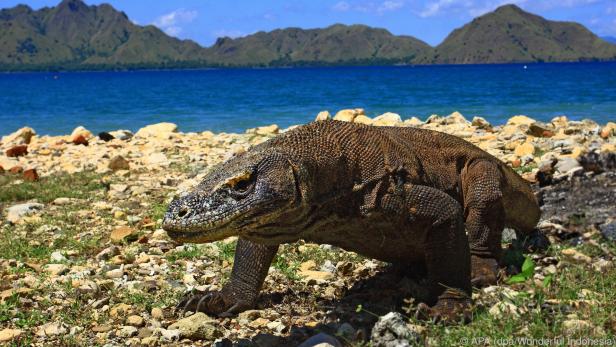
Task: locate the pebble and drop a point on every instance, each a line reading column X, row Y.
column 157, row 313
column 575, row 326
column 51, row 329
column 17, row 151
column 123, row 234
column 105, row 136
column 30, row 175
column 7, row 335
column 56, row 269
column 602, row 265
column 116, row 273
column 134, row 320
column 16, row 213
column 391, row 330
column 321, row 340
column 198, row 326
column 118, row 163
column 107, row 253
column 566, row 164
column 57, row 256
column 575, row 256
column 504, row 309
column 524, row 149
column 608, row 230
column 127, row 331
column 347, row 331
column 120, row 310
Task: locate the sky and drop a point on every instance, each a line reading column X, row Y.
column 429, row 20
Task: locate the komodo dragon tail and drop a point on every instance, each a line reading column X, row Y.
column 521, row 208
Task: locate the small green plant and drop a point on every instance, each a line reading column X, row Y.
column 528, row 270
column 288, row 268
column 227, row 249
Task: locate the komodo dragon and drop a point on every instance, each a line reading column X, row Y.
column 401, row 195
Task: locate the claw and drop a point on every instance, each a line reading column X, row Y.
column 202, row 300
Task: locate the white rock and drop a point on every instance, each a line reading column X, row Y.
column 116, row 273
column 567, row 164
column 346, row 115
column 17, row 212
column 160, row 130
column 520, row 120
column 387, row 119
column 323, row 115
column 504, row 309
column 56, row 269
column 7, row 335
column 80, row 130
column 199, row 326
column 57, row 256
column 123, row 135
column 51, row 329
column 413, row 122
column 22, row 136
column 127, row 331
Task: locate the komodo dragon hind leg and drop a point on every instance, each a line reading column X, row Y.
column 250, row 266
column 485, row 220
column 446, row 253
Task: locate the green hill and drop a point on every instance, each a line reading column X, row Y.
column 74, row 35
column 510, row 35
column 337, row 44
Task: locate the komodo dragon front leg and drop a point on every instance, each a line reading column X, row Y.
column 250, row 266
column 485, row 219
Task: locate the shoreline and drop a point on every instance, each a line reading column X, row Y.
column 522, row 142
column 316, row 66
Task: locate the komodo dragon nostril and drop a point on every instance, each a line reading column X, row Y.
column 183, row 212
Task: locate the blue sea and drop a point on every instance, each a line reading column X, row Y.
column 232, row 100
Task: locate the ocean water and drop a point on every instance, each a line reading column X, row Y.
column 236, row 99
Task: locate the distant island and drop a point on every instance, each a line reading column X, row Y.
column 75, row 36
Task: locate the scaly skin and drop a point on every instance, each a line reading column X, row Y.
column 401, row 195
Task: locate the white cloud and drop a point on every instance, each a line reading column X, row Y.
column 369, row 6
column 171, row 22
column 434, row 8
column 390, row 6
column 228, row 33
column 341, row 6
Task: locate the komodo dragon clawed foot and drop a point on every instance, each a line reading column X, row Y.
column 215, row 303
column 484, row 271
column 453, row 306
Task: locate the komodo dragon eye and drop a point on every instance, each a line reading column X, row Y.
column 241, row 183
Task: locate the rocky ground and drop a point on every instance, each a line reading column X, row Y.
column 83, row 260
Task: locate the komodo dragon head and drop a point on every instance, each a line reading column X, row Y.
column 246, row 196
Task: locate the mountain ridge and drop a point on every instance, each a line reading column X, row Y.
column 77, row 36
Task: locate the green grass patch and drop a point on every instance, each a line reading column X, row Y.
column 539, row 317
column 157, row 210
column 190, row 251
column 47, row 189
